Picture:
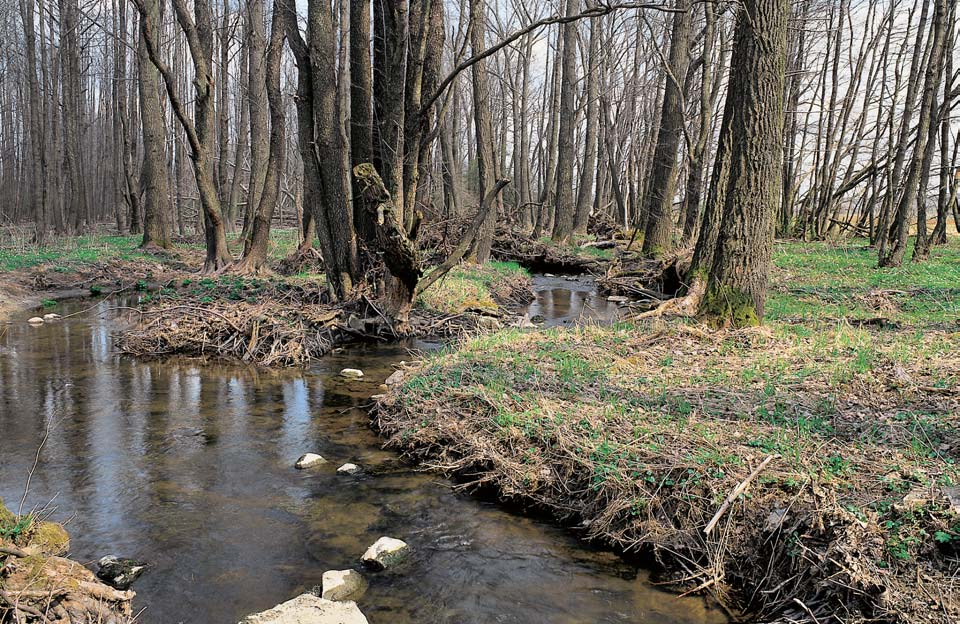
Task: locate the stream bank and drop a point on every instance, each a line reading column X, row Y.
column 795, row 476
column 190, row 468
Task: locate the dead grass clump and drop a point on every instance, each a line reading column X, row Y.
column 804, row 477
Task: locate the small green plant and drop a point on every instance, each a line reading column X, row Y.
column 96, row 291
column 49, row 303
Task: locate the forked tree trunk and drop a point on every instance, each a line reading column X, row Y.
column 255, row 256
column 200, row 132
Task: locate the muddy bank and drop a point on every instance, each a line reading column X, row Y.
column 788, row 479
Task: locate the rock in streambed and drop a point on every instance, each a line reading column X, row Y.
column 309, row 609
column 309, row 460
column 343, row 585
column 386, row 552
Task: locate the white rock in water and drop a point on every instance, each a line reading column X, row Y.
column 394, row 378
column 351, row 373
column 348, row 469
column 309, row 609
column 52, row 317
column 386, row 552
column 343, row 585
column 549, row 275
column 35, row 320
column 310, row 459
column 617, row 299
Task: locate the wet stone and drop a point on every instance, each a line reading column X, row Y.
column 343, row 585
column 309, row 609
column 386, row 552
column 309, row 460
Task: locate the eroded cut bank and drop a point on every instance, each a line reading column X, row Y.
column 809, row 477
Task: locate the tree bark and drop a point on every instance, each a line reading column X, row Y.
column 737, row 282
column 565, row 208
column 661, row 187
column 155, row 187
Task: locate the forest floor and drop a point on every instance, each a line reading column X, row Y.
column 804, row 470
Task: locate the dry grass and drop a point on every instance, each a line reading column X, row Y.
column 640, row 433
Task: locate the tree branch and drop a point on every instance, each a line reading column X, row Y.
column 597, row 11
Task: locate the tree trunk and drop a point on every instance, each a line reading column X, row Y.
column 155, row 188
column 255, row 256
column 898, row 235
column 483, row 128
column 585, row 194
column 259, row 113
column 661, row 187
column 737, row 282
column 565, row 208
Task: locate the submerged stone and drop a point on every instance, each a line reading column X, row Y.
column 343, row 585
column 52, row 317
column 308, row 460
column 351, row 373
column 309, row 609
column 348, row 469
column 385, row 553
column 35, row 320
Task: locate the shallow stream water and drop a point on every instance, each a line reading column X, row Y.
column 190, row 468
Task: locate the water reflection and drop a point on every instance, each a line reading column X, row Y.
column 565, row 301
column 190, row 468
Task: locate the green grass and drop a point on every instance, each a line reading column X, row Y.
column 67, row 253
column 813, row 281
column 471, row 286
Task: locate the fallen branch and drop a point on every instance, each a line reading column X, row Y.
column 737, row 491
column 465, row 241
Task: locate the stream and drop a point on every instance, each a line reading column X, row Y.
column 190, row 468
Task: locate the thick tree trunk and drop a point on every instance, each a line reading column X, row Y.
column 155, row 187
column 400, row 255
column 391, row 38
column 565, row 208
column 737, row 282
column 259, row 112
column 334, row 217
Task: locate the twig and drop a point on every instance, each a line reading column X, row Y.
column 737, row 491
